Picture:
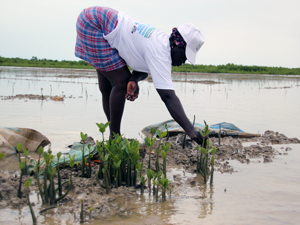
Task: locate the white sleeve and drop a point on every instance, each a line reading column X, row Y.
column 160, row 70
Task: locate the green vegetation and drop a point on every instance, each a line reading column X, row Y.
column 202, row 159
column 228, row 68
column 35, row 62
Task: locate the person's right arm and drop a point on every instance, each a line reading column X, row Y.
column 176, row 110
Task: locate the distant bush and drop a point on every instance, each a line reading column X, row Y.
column 228, row 68
column 232, row 68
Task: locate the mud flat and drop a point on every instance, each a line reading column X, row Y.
column 120, row 201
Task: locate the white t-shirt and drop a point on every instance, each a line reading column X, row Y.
column 144, row 49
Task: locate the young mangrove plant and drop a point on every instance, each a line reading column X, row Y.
column 37, row 172
column 2, row 155
column 142, row 179
column 100, row 147
column 156, row 179
column 27, row 185
column 158, row 150
column 164, row 183
column 205, row 150
column 20, row 183
column 83, row 138
column 72, row 163
column 52, row 195
column 58, row 155
column 165, row 149
column 150, row 175
column 25, row 152
column 150, row 141
column 42, row 93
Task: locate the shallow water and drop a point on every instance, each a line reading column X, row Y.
column 260, row 193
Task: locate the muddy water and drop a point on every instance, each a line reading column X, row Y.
column 259, row 193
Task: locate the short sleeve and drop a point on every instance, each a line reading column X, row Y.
column 160, row 70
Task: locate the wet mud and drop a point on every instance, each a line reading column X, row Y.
column 34, row 97
column 244, row 150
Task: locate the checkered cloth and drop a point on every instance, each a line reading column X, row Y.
column 92, row 24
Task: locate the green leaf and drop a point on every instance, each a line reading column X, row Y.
column 158, row 132
column 83, row 136
column 2, row 155
column 163, row 154
column 207, row 142
column 214, row 149
column 19, row 147
column 200, row 131
column 147, row 141
column 40, row 150
column 58, row 155
column 164, row 134
column 204, row 150
column 26, row 152
column 153, row 130
column 153, row 141
column 20, row 165
column 28, row 182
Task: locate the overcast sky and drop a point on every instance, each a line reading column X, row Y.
column 247, row 32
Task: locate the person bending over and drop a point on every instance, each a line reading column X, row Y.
column 109, row 40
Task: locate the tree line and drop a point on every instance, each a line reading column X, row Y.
column 228, row 68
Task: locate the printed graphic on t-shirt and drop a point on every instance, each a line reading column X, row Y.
column 143, row 29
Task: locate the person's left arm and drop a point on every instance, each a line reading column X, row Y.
column 132, row 86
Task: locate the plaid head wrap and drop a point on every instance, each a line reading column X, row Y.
column 178, row 40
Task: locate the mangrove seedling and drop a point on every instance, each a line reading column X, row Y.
column 72, row 163
column 150, row 143
column 27, row 185
column 20, row 184
column 26, row 152
column 165, row 149
column 58, row 155
column 100, row 146
column 90, row 211
column 142, row 179
column 150, row 175
column 25, row 169
column 37, row 172
column 2, row 155
column 156, row 183
column 42, row 93
column 48, row 157
column 19, row 149
column 158, row 150
column 164, row 183
column 83, row 138
column 105, row 171
column 51, row 171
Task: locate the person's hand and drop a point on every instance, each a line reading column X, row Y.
column 132, row 91
column 196, row 136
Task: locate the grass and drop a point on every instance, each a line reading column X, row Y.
column 228, row 68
